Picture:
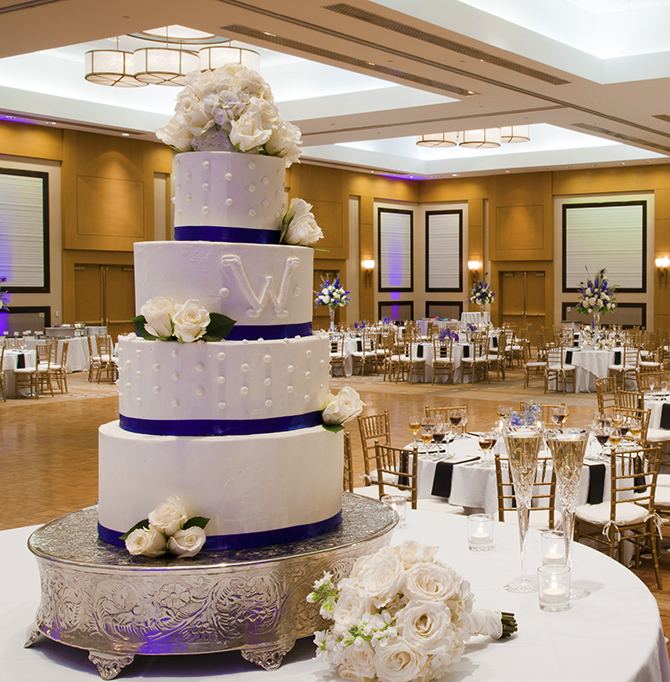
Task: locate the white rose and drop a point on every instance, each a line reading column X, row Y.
column 201, row 83
column 358, row 664
column 431, row 582
column 249, row 81
column 411, row 552
column 169, row 516
column 302, row 229
column 146, row 542
column 175, row 134
column 158, row 313
column 346, row 405
column 190, row 321
column 187, row 543
column 267, row 111
column 399, row 662
column 352, row 604
column 426, row 625
column 248, row 133
column 196, row 116
column 285, row 142
column 383, row 578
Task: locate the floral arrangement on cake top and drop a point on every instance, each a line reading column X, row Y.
column 340, row 408
column 401, row 615
column 332, row 295
column 3, row 297
column 299, row 226
column 162, row 319
column 596, row 295
column 167, row 529
column 230, row 109
column 481, row 293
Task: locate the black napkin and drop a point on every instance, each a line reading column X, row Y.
column 639, row 480
column 442, row 479
column 359, row 345
column 665, row 416
column 419, row 350
column 596, row 483
column 568, row 357
column 495, row 341
column 617, row 357
column 575, row 343
column 466, row 351
column 404, row 467
column 20, row 361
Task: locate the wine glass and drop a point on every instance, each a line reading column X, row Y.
column 504, row 412
column 568, row 448
column 652, row 382
column 487, row 443
column 523, row 446
column 414, row 425
column 635, row 428
column 439, row 434
column 664, row 384
column 426, row 434
column 464, row 421
column 601, row 434
column 559, row 415
column 615, row 437
column 455, row 417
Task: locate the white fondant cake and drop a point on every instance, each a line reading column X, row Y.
column 232, row 427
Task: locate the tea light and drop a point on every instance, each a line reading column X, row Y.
column 555, row 594
column 480, row 532
column 553, row 585
column 553, row 548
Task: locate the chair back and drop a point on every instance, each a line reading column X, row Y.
column 337, row 344
column 445, row 413
column 629, row 399
column 480, row 346
column 605, row 389
column 630, row 356
column 348, row 471
column 14, row 344
column 646, row 379
column 103, row 345
column 555, row 356
column 373, row 428
column 633, row 477
column 44, row 352
column 397, row 468
column 442, row 349
column 63, row 354
column 544, row 490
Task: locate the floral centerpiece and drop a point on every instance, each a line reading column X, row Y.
column 334, row 296
column 167, row 529
column 596, row 296
column 162, row 319
column 448, row 334
column 230, row 109
column 481, row 293
column 3, row 297
column 401, row 615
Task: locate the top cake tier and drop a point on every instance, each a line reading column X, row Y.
column 228, row 197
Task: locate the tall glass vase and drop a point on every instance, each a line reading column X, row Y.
column 332, row 318
column 523, row 446
column 568, row 447
column 596, row 320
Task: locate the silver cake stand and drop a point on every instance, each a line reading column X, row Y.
column 99, row 598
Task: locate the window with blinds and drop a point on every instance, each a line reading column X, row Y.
column 24, row 230
column 395, row 245
column 610, row 235
column 444, row 243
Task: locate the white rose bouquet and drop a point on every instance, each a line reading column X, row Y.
column 333, row 295
column 299, row 225
column 168, row 529
column 230, row 109
column 401, row 615
column 481, row 293
column 597, row 295
column 163, row 319
column 340, row 408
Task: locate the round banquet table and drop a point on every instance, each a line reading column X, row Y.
column 475, row 318
column 614, row 635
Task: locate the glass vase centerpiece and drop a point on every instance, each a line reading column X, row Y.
column 596, row 297
column 334, row 296
column 481, row 294
column 568, row 447
column 523, row 446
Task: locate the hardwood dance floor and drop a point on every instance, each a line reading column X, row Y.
column 49, row 446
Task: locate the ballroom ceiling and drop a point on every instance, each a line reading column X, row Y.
column 591, row 77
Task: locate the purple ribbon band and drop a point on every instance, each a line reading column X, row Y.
column 245, row 540
column 219, row 427
column 240, row 332
column 213, row 233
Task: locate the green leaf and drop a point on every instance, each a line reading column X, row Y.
column 218, row 328
column 141, row 524
column 333, row 428
column 320, row 249
column 199, row 521
column 140, row 321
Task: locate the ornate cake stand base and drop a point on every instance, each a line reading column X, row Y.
column 99, row 598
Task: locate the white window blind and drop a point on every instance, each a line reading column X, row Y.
column 395, row 250
column 443, row 251
column 608, row 236
column 22, row 230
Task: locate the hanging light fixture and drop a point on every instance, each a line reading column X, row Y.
column 164, row 65
column 437, row 140
column 114, row 68
column 513, row 134
column 483, row 138
column 215, row 56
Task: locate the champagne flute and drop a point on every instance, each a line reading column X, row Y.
column 414, row 426
column 664, row 384
column 464, row 420
column 652, row 383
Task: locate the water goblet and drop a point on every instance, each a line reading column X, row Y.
column 664, row 384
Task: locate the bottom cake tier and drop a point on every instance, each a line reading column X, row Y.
column 256, row 490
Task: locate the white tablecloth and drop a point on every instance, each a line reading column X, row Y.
column 441, row 324
column 614, row 635
column 77, row 352
column 9, row 363
column 475, row 318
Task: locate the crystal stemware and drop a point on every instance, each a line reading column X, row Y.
column 568, row 448
column 523, row 446
column 426, row 434
column 415, row 425
column 439, row 434
column 487, row 443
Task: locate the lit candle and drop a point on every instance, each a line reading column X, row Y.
column 554, row 557
column 480, row 537
column 554, row 594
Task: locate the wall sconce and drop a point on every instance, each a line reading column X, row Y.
column 368, row 267
column 473, row 266
column 662, row 267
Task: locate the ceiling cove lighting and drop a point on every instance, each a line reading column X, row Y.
column 114, row 68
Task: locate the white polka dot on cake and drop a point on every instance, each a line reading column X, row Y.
column 290, row 368
column 175, row 377
column 267, row 358
column 307, row 398
column 228, row 176
column 245, row 367
column 200, row 367
column 175, row 353
column 244, row 390
column 221, row 379
column 157, row 389
column 268, row 382
column 128, row 387
column 206, row 164
column 205, row 209
column 175, row 403
column 222, row 406
column 138, row 401
column 252, row 188
column 229, row 202
column 128, row 363
column 308, row 375
column 289, row 389
column 205, row 187
column 200, row 391
column 156, row 367
column 268, row 403
column 222, row 356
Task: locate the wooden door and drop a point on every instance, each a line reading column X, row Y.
column 522, row 299
column 88, row 298
column 119, row 304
